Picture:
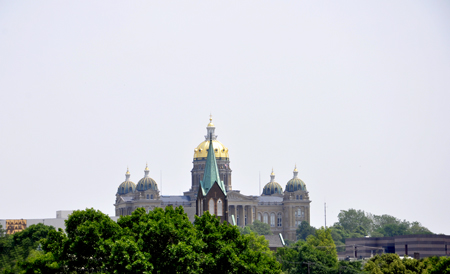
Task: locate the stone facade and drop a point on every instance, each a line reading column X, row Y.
column 283, row 211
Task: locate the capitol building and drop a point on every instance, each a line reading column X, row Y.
column 211, row 190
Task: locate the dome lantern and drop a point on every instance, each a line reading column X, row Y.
column 210, row 130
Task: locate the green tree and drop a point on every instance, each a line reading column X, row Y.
column 324, row 242
column 228, row 251
column 17, row 247
column 351, row 219
column 304, row 230
column 442, row 266
column 161, row 241
column 257, row 227
column 385, row 264
column 417, row 228
column 301, row 255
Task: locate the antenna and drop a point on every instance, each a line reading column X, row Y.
column 325, row 210
column 160, row 179
column 259, row 183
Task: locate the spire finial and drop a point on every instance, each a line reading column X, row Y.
column 146, row 170
column 295, row 171
column 272, row 176
column 210, row 117
column 127, row 175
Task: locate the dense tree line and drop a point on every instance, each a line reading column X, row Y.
column 17, row 247
column 164, row 241
column 354, row 223
column 161, row 241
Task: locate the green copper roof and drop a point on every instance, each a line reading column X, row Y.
column 211, row 174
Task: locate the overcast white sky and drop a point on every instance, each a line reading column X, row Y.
column 356, row 93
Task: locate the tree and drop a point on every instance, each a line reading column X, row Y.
column 323, row 241
column 352, row 219
column 161, row 241
column 228, row 251
column 387, row 263
column 258, row 227
column 300, row 256
column 304, row 230
column 17, row 247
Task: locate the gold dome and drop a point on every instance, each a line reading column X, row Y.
column 220, row 151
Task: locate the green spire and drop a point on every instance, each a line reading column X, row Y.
column 211, row 174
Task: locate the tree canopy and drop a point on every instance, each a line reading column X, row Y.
column 161, row 241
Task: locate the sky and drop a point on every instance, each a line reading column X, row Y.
column 355, row 93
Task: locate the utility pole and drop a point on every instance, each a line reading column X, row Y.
column 309, row 263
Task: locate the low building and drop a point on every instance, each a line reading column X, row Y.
column 16, row 225
column 416, row 246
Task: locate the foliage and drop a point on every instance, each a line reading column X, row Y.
column 304, row 230
column 295, row 259
column 442, row 266
column 386, row 263
column 161, row 241
column 324, row 242
column 17, row 247
column 352, row 219
column 257, row 227
column 357, row 223
column 391, row 263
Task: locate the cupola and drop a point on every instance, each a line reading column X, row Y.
column 295, row 183
column 127, row 186
column 272, row 187
column 146, row 183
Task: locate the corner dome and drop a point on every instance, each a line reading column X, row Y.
column 272, row 187
column 295, row 183
column 146, row 183
column 220, row 151
column 127, row 186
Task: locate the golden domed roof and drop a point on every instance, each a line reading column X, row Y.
column 220, row 151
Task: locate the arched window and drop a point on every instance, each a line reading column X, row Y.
column 301, row 197
column 292, row 187
column 130, row 189
column 211, row 206
column 297, row 197
column 151, row 196
column 279, row 219
column 259, row 217
column 123, row 190
column 219, row 207
column 272, row 219
column 147, row 196
column 266, row 218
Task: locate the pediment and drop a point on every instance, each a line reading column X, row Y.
column 234, row 196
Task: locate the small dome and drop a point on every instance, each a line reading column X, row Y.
column 295, row 183
column 146, row 183
column 272, row 187
column 127, row 186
